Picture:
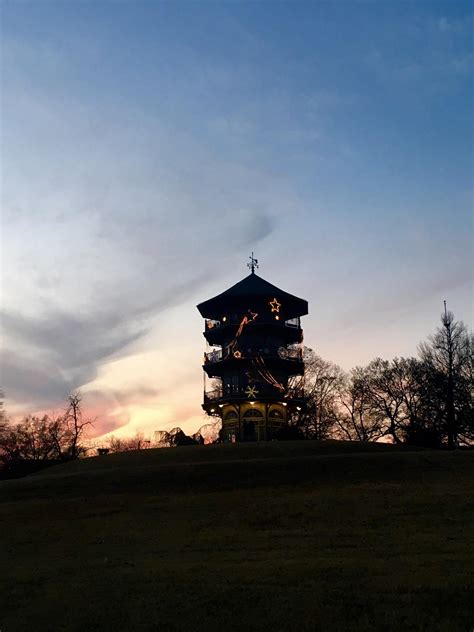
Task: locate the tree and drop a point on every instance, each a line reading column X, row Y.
column 175, row 437
column 318, row 389
column 137, row 442
column 447, row 356
column 358, row 418
column 416, row 425
column 47, row 437
column 179, row 438
column 3, row 416
column 208, row 433
column 74, row 425
column 372, row 391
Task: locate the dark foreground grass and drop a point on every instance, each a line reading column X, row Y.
column 288, row 536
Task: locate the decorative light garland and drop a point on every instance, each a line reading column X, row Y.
column 267, row 375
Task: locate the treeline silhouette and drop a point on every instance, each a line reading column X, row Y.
column 39, row 441
column 208, row 433
column 423, row 401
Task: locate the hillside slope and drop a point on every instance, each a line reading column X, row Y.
column 279, row 536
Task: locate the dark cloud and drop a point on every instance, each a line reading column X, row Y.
column 59, row 351
column 257, row 227
column 72, row 341
column 31, row 379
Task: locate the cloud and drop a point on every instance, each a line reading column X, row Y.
column 61, row 351
column 32, row 380
column 453, row 25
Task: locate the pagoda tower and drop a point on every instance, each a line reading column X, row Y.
column 254, row 341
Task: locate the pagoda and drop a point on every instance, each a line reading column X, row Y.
column 254, row 339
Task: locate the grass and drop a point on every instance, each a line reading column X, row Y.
column 279, row 536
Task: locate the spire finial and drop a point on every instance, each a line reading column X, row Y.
column 253, row 263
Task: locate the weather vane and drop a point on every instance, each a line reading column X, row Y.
column 253, row 263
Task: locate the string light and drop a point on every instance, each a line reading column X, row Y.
column 245, row 321
column 265, row 373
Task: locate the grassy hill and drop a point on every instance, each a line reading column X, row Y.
column 278, row 536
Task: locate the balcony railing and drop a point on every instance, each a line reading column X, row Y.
column 212, row 324
column 285, row 353
column 290, row 354
column 235, row 319
column 218, row 394
column 213, row 356
column 212, row 396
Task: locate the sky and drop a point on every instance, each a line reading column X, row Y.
column 148, row 148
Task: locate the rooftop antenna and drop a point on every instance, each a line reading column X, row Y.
column 253, row 263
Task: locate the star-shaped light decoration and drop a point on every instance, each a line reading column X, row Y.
column 251, row 392
column 237, row 354
column 275, row 305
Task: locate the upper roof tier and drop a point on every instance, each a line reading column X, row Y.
column 250, row 293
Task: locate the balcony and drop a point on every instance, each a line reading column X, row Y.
column 211, row 324
column 284, row 353
column 236, row 319
column 290, row 354
column 213, row 356
column 217, row 395
column 213, row 396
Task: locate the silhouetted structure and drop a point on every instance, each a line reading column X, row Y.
column 254, row 332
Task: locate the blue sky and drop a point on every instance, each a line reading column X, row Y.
column 149, row 147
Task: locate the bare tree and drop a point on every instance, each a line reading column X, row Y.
column 47, row 437
column 137, row 442
column 3, row 415
column 75, row 425
column 208, row 433
column 319, row 388
column 358, row 419
column 161, row 438
column 386, row 397
column 447, row 356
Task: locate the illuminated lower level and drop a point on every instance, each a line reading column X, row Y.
column 253, row 421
